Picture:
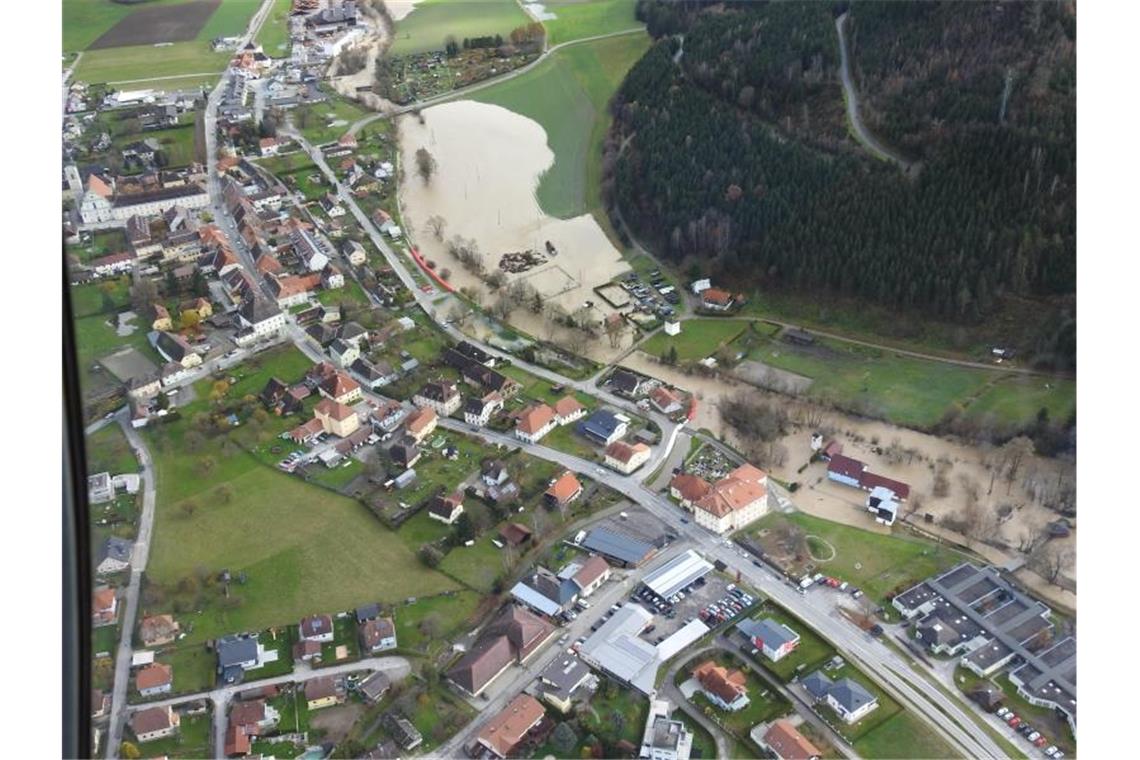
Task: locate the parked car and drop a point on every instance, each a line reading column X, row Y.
column 1002, row 712
column 1040, row 741
column 1013, row 721
column 1051, row 751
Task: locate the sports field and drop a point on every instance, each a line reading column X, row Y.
column 274, row 33
column 575, row 19
column 429, row 25
column 122, row 45
column 567, row 94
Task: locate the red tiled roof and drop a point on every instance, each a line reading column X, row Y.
column 870, row 480
column 689, row 486
column 333, row 409
column 717, row 296
column 565, row 487
column 624, row 452
column 788, row 743
column 591, row 570
column 535, row 418
column 718, row 680
column 741, row 487
column 567, row 406
column 506, row 730
column 421, row 419
column 155, row 674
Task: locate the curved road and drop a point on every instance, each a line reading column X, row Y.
column 862, row 134
column 673, row 693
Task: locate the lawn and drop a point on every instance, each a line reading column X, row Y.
column 88, row 299
column 84, row 21
column 876, row 563
column 327, row 122
column 428, row 26
column 192, row 739
column 1018, row 398
column 446, row 616
column 699, row 338
column 294, row 710
column 567, row 94
column 906, row 737
column 230, row 19
column 576, row 19
column 765, row 703
column 335, row 478
column 476, row 566
column 194, row 667
column 109, row 451
column 344, row 634
column 274, row 33
column 616, row 713
column 351, row 293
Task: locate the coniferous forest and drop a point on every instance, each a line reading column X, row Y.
column 729, row 147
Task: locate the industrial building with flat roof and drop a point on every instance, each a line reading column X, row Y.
column 616, row 649
column 677, row 574
column 623, row 549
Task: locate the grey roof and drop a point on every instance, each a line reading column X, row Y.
column 235, row 649
column 338, row 346
column 367, row 612
column 620, row 547
column 773, row 633
column 600, row 424
column 258, row 309
column 535, row 599
column 563, row 675
column 850, row 694
column 375, row 685
column 817, row 684
column 118, row 549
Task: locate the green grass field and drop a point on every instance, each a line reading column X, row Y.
column 576, row 19
column 327, row 122
column 477, row 565
column 177, row 142
column 192, row 740
column 567, row 94
column 905, row 737
column 138, row 64
column 274, row 33
column 428, row 26
column 450, row 614
column 699, row 338
column 886, row 563
column 811, row 653
column 84, row 21
column 908, row 391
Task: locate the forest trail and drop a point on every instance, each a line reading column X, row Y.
column 851, row 97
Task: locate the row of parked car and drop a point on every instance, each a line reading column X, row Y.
column 1032, row 735
column 662, row 605
column 727, row 607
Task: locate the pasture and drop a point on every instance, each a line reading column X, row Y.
column 431, row 22
column 909, row 391
column 567, row 94
column 576, row 19
column 158, row 23
column 139, row 64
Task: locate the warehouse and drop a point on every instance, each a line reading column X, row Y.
column 677, row 574
column 622, row 549
column 616, row 649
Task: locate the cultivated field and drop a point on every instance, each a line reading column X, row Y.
column 431, row 22
column 160, row 23
column 135, row 54
column 575, row 19
column 567, row 94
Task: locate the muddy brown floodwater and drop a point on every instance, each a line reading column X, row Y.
column 488, row 164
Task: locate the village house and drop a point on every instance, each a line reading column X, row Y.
column 322, row 692
column 104, row 607
column 160, row 317
column 563, row 490
column 421, row 424
column 603, row 427
column 717, row 299
column 771, row 637
column 154, row 679
column 568, row 409
column 665, row 400
column 446, row 508
column 624, row 457
column 725, row 689
column 783, row 740
column 561, row 681
column 687, row 488
column 378, row 635
column 336, row 418
column 850, row 700
column 154, row 723
column 157, row 630
column 503, row 733
column 405, row 452
column 114, row 555
column 440, row 395
column 343, row 353
column 588, row 575
column 317, row 628
column 175, row 348
column 478, row 411
column 534, row 422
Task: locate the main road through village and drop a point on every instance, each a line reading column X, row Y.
column 944, row 715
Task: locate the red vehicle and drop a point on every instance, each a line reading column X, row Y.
column 1013, row 721
column 1040, row 742
column 833, row 582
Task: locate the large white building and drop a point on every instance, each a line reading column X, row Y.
column 733, row 501
column 664, row 739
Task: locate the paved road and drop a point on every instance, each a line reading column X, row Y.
column 130, row 601
column 851, row 95
column 397, row 668
column 465, row 91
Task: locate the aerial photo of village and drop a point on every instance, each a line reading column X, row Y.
column 581, row 378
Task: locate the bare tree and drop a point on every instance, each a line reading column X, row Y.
column 1016, row 451
column 503, row 307
column 435, row 224
column 425, row 164
column 615, row 329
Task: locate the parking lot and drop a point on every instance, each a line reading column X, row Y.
column 654, row 296
column 708, row 599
